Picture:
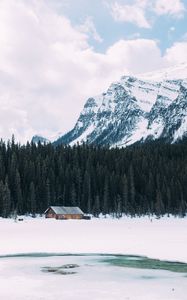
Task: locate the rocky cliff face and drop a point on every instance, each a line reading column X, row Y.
column 132, row 110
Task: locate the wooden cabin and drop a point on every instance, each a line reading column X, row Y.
column 64, row 213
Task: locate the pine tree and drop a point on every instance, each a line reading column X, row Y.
column 125, row 204
column 73, row 196
column 105, row 209
column 89, row 202
column 132, row 191
column 182, row 206
column 159, row 206
column 5, row 200
column 1, row 197
column 18, row 193
column 118, row 209
column 32, row 197
column 96, row 209
column 47, row 199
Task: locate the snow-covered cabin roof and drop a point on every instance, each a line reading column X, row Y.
column 66, row 210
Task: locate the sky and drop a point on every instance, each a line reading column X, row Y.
column 55, row 54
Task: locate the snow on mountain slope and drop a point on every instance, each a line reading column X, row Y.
column 135, row 109
column 149, row 106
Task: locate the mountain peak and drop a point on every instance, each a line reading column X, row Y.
column 149, row 106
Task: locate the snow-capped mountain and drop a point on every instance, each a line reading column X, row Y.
column 39, row 139
column 135, row 109
column 43, row 140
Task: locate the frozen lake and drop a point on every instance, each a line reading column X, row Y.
column 96, row 277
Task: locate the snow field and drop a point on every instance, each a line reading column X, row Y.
column 164, row 238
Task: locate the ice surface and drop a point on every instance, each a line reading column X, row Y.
column 22, row 279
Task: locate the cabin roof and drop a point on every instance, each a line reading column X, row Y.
column 66, row 210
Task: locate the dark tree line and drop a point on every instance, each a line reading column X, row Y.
column 138, row 180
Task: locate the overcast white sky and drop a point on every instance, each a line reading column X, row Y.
column 54, row 54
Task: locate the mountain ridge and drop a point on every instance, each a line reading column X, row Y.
column 134, row 109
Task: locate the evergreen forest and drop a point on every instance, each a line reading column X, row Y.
column 143, row 179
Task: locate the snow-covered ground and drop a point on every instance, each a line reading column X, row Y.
column 21, row 278
column 164, row 238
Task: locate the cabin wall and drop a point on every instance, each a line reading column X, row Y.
column 50, row 214
column 67, row 217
